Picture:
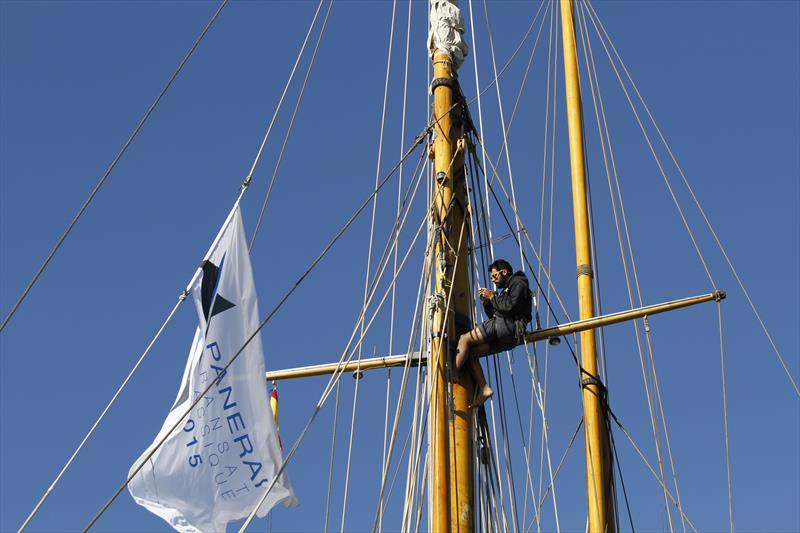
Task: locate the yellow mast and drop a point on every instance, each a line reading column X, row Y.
column 599, row 477
column 451, row 424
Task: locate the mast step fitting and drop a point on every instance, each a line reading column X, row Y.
column 585, row 270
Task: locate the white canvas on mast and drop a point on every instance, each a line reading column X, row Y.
column 215, row 468
column 446, row 30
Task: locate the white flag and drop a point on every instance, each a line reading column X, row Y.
column 215, row 467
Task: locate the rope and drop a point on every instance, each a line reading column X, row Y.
column 522, row 85
column 394, row 266
column 283, row 95
column 333, row 448
column 503, row 124
column 113, row 400
column 725, row 415
column 658, row 162
column 560, row 463
column 111, row 167
column 402, row 387
column 323, row 398
column 269, row 316
column 478, row 98
column 414, row 456
column 702, row 212
column 544, row 443
column 294, row 116
column 605, row 136
column 647, row 464
column 352, row 432
column 540, row 400
column 337, row 374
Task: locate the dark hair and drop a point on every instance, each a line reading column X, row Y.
column 501, row 264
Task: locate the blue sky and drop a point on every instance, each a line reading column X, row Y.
column 721, row 78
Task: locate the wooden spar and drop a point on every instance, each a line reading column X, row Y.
column 599, row 476
column 568, row 328
column 450, row 430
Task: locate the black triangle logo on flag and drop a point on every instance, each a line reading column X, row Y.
column 212, row 302
column 220, row 305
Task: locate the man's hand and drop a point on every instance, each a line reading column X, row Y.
column 486, row 294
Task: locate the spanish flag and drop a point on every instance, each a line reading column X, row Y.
column 273, row 403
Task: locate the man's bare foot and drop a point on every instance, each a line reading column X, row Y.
column 483, row 394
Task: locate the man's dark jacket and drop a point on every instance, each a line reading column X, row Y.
column 514, row 303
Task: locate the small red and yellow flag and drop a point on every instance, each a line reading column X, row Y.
column 273, row 403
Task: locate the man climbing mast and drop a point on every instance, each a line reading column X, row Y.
column 509, row 310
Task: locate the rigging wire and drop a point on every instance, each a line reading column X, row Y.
column 604, row 135
column 394, row 265
column 725, row 415
column 263, row 323
column 113, row 400
column 283, row 95
column 697, row 203
column 431, row 242
column 544, row 494
column 294, row 115
column 333, row 448
column 503, row 125
column 357, row 377
column 476, row 270
column 337, row 374
column 323, row 398
column 621, row 479
column 550, row 113
column 111, row 167
column 657, row 160
column 649, row 467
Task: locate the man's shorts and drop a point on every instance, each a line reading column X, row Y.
column 498, row 333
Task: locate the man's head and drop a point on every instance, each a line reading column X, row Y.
column 500, row 271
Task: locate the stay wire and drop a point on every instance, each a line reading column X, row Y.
column 605, row 136
column 113, row 400
column 269, row 316
column 535, row 278
column 268, row 194
column 725, row 415
column 372, row 233
column 702, row 211
column 352, row 432
column 333, row 449
column 621, row 479
column 399, row 188
column 649, row 467
column 546, row 492
column 283, row 95
column 337, row 374
column 111, row 167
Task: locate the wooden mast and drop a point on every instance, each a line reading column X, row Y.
column 450, row 423
column 599, row 479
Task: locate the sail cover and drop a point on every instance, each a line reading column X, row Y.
column 214, row 468
column 446, row 30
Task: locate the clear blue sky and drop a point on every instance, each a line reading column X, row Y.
column 722, row 79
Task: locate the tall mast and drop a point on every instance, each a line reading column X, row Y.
column 599, row 479
column 450, row 423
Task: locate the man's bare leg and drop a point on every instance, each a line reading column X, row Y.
column 471, row 345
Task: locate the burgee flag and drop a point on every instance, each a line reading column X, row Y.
column 215, row 467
